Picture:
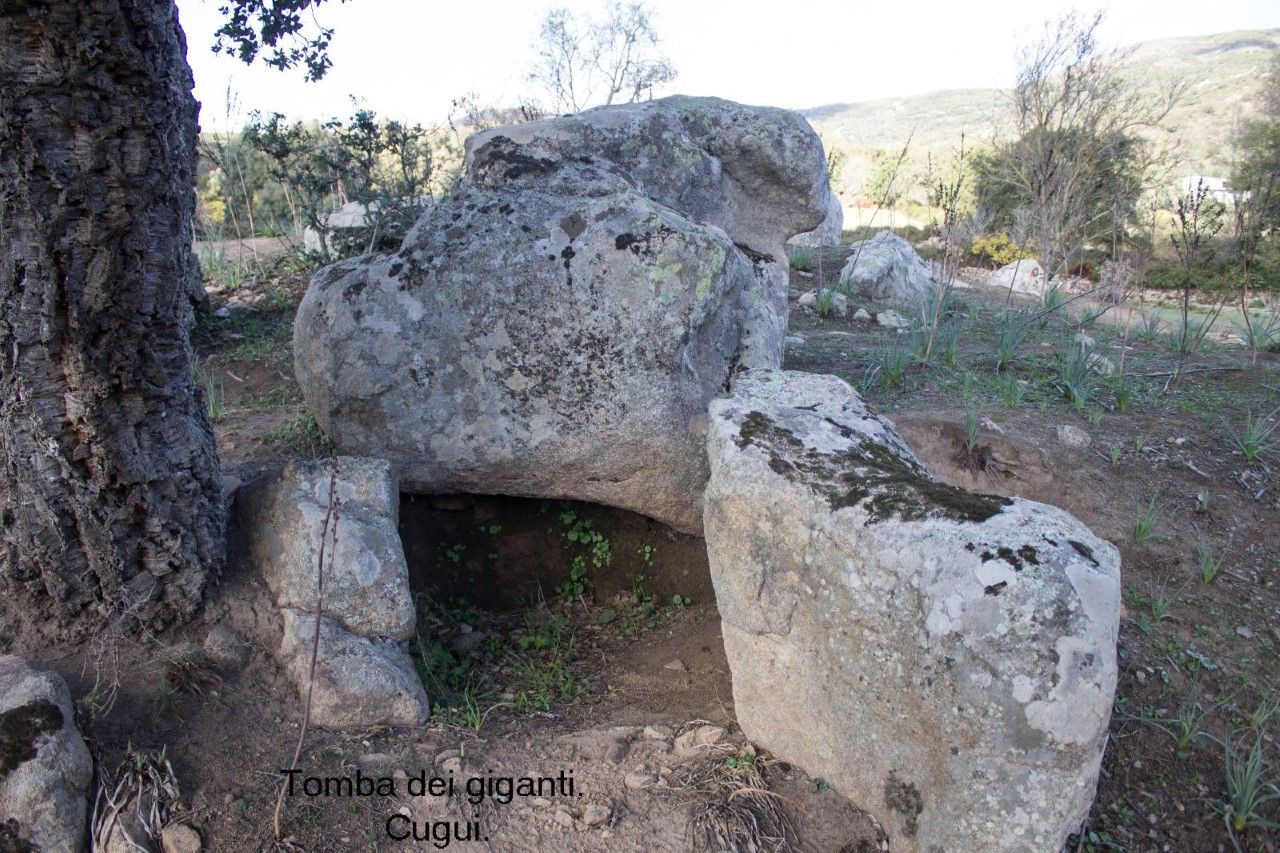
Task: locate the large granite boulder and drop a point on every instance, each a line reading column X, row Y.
column 946, row 660
column 45, row 768
column 364, row 675
column 829, row 233
column 557, row 326
column 887, row 267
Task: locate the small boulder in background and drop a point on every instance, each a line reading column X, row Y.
column 887, row 267
column 1022, row 276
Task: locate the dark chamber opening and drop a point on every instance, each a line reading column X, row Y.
column 503, row 553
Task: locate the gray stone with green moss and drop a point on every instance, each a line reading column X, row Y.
column 887, row 267
column 947, row 660
column 557, row 326
column 45, row 768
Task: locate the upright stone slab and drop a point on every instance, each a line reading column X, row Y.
column 45, row 768
column 556, row 326
column 363, row 675
column 946, row 660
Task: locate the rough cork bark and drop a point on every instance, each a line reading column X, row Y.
column 110, row 494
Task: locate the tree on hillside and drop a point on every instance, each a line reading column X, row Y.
column 585, row 62
column 1258, row 166
column 1077, row 163
column 110, row 490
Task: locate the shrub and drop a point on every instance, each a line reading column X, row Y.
column 998, row 248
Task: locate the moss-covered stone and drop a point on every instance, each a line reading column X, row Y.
column 21, row 727
column 868, row 474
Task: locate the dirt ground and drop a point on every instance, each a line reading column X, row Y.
column 601, row 679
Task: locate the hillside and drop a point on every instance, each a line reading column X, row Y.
column 1222, row 71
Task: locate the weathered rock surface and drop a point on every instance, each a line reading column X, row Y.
column 367, row 589
column 1026, row 276
column 363, row 677
column 45, row 768
column 892, row 320
column 946, row 660
column 829, row 233
column 557, row 326
column 359, row 681
column 886, row 267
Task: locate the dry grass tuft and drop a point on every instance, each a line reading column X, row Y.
column 184, row 669
column 733, row 808
column 134, row 804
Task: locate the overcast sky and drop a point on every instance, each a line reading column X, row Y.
column 409, row 58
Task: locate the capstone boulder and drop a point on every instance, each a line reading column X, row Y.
column 557, row 326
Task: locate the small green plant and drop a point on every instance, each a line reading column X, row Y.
column 820, row 784
column 1150, row 329
column 647, row 553
column 1011, row 390
column 1144, row 526
column 1122, row 393
column 212, row 391
column 575, row 588
column 826, row 303
column 1249, row 789
column 582, row 531
column 1076, row 378
column 1115, row 455
column 1054, row 299
column 1268, row 706
column 1162, row 601
column 1256, row 438
column 1210, row 562
column 165, row 691
column 304, row 434
column 1012, row 333
column 1187, row 337
column 972, row 425
column 893, row 367
column 542, row 666
column 801, row 259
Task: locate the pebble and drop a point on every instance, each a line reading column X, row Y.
column 697, row 740
column 1245, row 631
column 676, row 665
column 638, row 779
column 377, row 760
column 596, row 814
column 179, row 838
column 656, row 732
column 1072, row 436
